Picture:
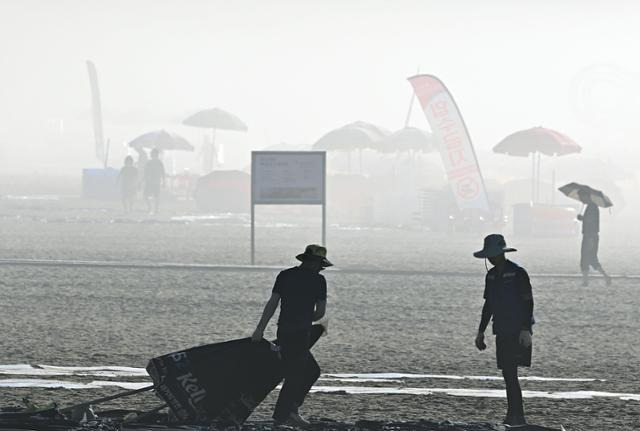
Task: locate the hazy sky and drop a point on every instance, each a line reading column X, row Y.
column 293, row 70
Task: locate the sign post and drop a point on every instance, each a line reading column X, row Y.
column 288, row 178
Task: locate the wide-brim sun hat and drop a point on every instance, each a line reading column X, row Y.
column 315, row 252
column 494, row 245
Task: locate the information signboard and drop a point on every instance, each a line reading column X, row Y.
column 288, row 178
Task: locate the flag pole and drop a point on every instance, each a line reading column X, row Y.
column 413, row 98
column 408, row 118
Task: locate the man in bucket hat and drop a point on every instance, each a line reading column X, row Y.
column 302, row 293
column 509, row 300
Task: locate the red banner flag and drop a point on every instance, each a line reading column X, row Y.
column 453, row 142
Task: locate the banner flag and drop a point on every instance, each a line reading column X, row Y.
column 96, row 110
column 453, row 142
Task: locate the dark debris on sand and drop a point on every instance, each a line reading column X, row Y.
column 120, row 420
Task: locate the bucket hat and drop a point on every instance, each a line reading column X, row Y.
column 315, row 252
column 494, row 245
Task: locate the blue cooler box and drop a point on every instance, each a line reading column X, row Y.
column 101, row 184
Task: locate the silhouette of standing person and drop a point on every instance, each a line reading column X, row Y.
column 154, row 180
column 590, row 239
column 509, row 301
column 301, row 292
column 128, row 180
column 142, row 159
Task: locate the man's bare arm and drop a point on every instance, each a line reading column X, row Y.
column 268, row 312
column 484, row 322
column 321, row 309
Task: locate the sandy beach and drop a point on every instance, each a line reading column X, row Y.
column 162, row 161
column 400, row 347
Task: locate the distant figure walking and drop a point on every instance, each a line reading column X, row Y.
column 302, row 292
column 154, row 181
column 509, row 300
column 590, row 239
column 142, row 159
column 128, row 180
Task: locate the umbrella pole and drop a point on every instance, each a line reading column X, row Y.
column 205, row 154
column 413, row 98
column 393, row 170
column 533, row 177
column 538, row 178
column 553, row 186
column 408, row 117
column 214, row 152
column 360, row 159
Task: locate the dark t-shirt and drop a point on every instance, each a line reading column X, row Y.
column 299, row 290
column 507, row 297
column 591, row 220
column 153, row 173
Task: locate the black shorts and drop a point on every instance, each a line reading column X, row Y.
column 294, row 343
column 510, row 352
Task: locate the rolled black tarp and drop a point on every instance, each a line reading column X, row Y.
column 221, row 382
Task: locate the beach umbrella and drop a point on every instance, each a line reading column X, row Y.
column 214, row 119
column 534, row 142
column 161, row 140
column 356, row 136
column 408, row 139
column 537, row 140
column 378, row 131
column 576, row 191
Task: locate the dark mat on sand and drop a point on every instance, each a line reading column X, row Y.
column 364, row 425
column 53, row 422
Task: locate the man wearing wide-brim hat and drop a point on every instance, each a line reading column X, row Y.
column 509, row 301
column 302, row 293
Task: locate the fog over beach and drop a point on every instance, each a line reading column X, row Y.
column 97, row 276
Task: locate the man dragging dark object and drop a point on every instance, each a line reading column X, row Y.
column 508, row 298
column 302, row 291
column 590, row 239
